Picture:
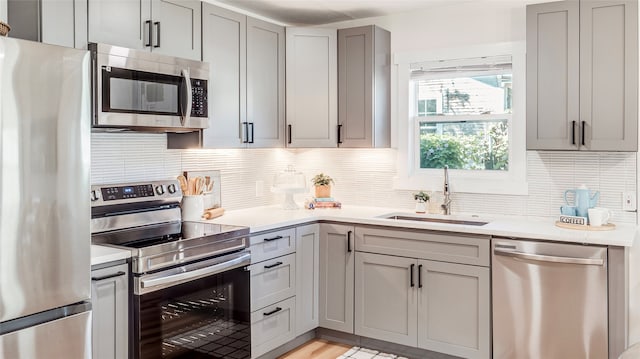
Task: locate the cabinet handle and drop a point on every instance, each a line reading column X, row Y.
column 273, row 265
column 289, row 126
column 273, row 239
column 157, row 24
column 339, row 134
column 349, row 241
column 420, row 276
column 272, row 312
column 584, row 124
column 573, row 132
column 411, row 275
column 117, row 274
column 251, row 125
column 149, row 32
column 245, row 138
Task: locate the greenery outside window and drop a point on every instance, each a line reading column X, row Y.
column 463, row 113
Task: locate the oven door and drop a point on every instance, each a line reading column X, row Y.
column 200, row 310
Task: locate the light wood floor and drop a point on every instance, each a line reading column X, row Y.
column 317, row 349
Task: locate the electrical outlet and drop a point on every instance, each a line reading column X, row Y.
column 629, row 201
column 259, row 188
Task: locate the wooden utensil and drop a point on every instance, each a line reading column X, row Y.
column 183, row 185
column 213, row 213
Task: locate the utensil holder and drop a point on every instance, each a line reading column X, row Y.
column 192, row 208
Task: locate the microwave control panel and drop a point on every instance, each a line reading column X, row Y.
column 199, row 92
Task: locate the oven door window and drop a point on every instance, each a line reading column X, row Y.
column 204, row 318
column 128, row 91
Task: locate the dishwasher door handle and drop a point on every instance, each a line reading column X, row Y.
column 552, row 259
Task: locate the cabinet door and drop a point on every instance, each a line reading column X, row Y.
column 109, row 301
column 119, row 22
column 379, row 281
column 336, row 277
column 177, row 28
column 307, row 277
column 312, row 113
column 553, row 70
column 609, row 74
column 265, row 83
column 58, row 22
column 224, row 48
column 454, row 309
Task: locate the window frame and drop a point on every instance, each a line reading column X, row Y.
column 409, row 174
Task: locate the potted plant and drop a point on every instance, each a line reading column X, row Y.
column 421, row 199
column 322, row 185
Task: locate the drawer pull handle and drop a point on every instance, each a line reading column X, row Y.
column 420, row 276
column 272, row 312
column 273, row 265
column 117, row 274
column 273, row 239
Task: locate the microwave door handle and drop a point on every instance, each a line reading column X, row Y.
column 186, row 107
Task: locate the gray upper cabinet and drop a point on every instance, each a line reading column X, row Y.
column 48, row 21
column 224, row 36
column 170, row 27
column 265, row 83
column 364, row 112
column 311, row 65
column 582, row 76
column 246, row 87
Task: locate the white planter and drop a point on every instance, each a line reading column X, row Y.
column 421, row 207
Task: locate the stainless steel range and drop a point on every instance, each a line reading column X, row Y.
column 190, row 282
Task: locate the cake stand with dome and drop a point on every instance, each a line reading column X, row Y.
column 289, row 182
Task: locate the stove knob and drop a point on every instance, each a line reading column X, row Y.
column 160, row 190
column 95, row 195
column 172, row 188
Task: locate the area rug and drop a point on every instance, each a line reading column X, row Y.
column 363, row 353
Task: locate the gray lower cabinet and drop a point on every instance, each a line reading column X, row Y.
column 246, row 57
column 336, row 277
column 272, row 280
column 379, row 281
column 364, row 85
column 438, row 282
column 307, row 277
column 582, row 75
column 312, row 99
column 110, row 305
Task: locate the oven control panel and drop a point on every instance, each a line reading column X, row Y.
column 135, row 192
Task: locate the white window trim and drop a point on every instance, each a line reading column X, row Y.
column 411, row 177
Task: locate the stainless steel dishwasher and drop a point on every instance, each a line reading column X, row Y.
column 549, row 300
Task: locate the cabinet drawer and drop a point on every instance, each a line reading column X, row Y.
column 272, row 326
column 438, row 246
column 272, row 244
column 272, row 281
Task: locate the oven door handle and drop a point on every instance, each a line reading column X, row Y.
column 227, row 264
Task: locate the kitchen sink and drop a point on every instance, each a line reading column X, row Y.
column 437, row 220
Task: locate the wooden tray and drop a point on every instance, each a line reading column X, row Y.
column 604, row 227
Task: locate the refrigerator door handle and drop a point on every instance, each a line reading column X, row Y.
column 552, row 259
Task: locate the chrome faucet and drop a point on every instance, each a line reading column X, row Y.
column 446, row 205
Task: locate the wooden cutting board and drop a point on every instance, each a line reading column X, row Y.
column 604, row 227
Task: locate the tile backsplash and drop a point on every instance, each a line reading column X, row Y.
column 362, row 176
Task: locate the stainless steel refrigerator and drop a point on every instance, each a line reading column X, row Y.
column 44, row 208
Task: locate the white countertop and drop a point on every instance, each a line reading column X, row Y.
column 260, row 219
column 267, row 218
column 104, row 254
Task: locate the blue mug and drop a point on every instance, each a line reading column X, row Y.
column 568, row 210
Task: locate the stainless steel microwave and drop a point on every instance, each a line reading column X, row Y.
column 139, row 90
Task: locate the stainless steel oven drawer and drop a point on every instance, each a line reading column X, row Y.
column 272, row 281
